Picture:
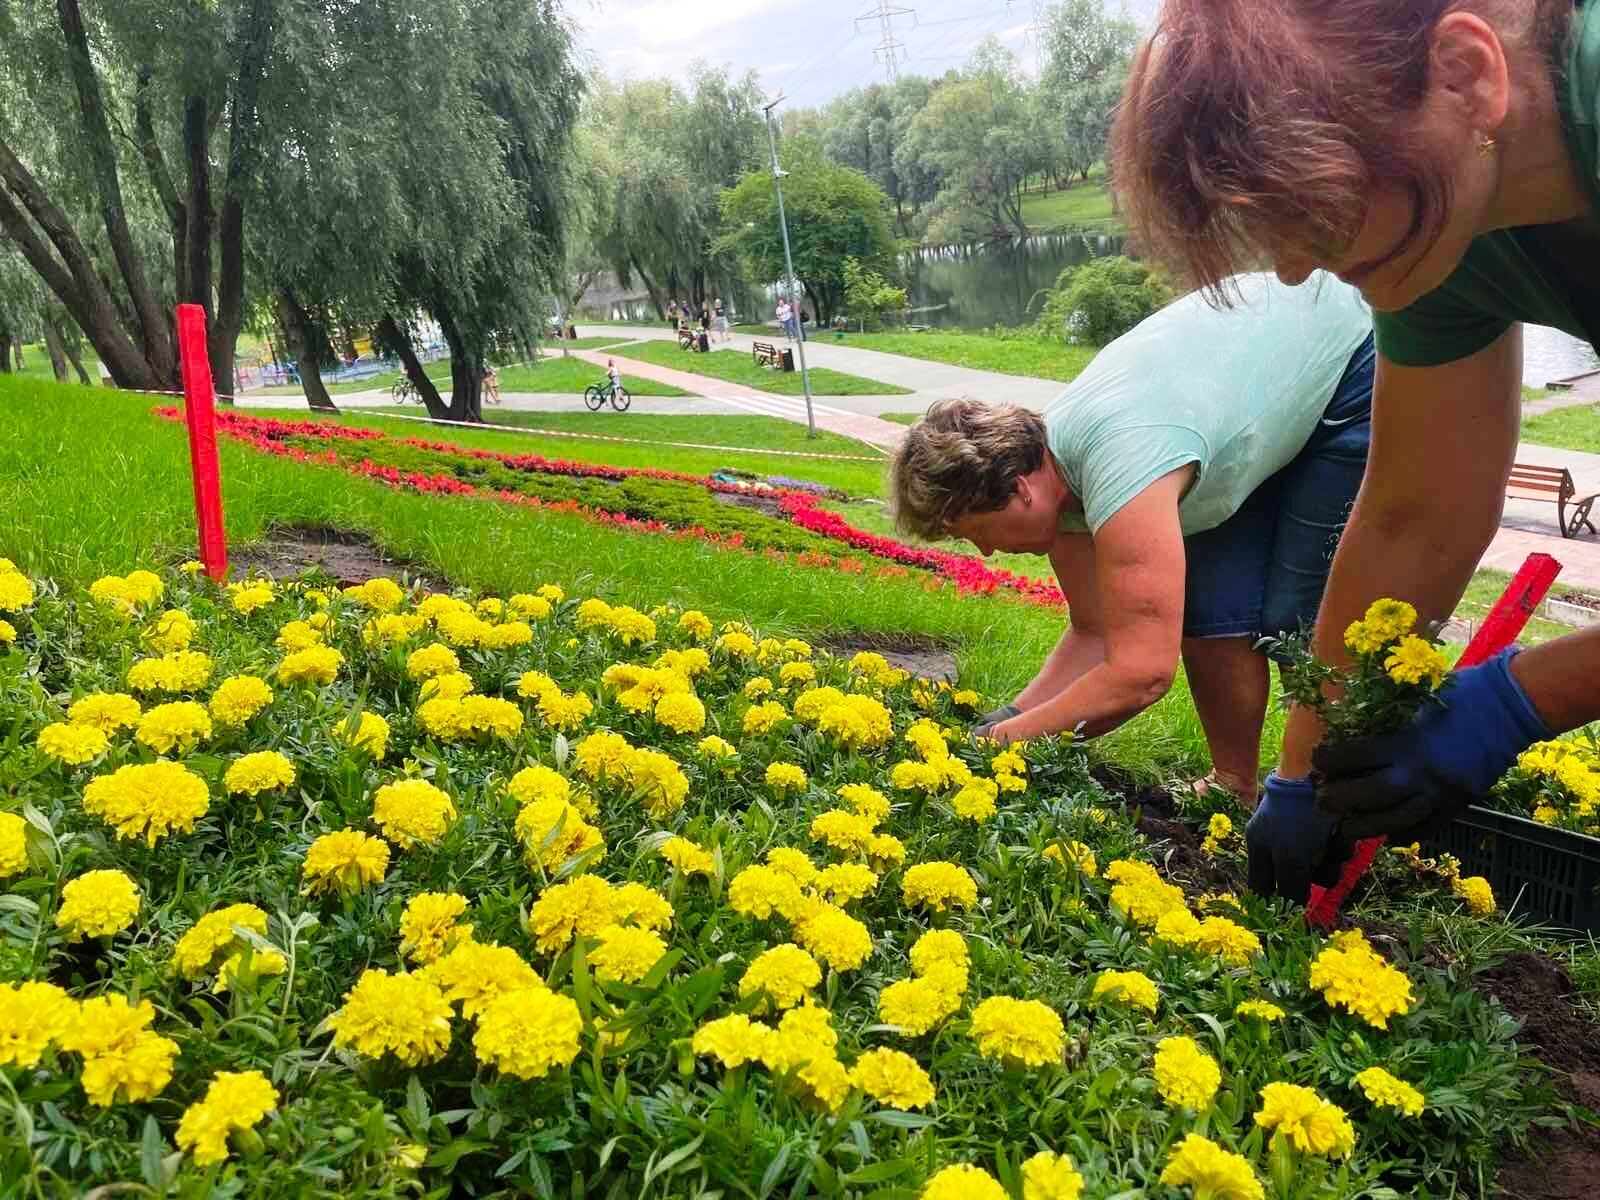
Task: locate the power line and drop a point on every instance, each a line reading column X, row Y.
column 891, row 50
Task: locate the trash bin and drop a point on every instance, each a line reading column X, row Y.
column 788, row 360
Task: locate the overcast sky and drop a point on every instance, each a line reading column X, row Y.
column 809, row 49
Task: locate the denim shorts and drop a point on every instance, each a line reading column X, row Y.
column 1261, row 572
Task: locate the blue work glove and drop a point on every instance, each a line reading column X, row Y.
column 986, row 723
column 1292, row 842
column 1405, row 783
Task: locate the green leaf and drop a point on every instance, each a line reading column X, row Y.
column 151, row 1150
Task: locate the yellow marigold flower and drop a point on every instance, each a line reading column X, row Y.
column 885, row 851
column 437, row 604
column 1352, row 976
column 379, row 593
column 148, row 800
column 1187, row 1076
column 636, row 904
column 487, row 716
column 1133, row 988
column 123, row 1059
column 1309, row 1123
column 529, row 607
column 181, row 671
column 537, row 783
column 911, row 776
column 797, row 672
column 962, row 1181
column 263, row 962
column 1141, row 893
column 526, row 1033
column 316, row 664
column 403, row 1015
column 792, row 862
column 1261, row 1010
column 691, row 663
column 1049, row 1176
column 214, row 934
column 1213, row 1173
column 364, row 731
column 686, row 857
column 681, row 712
column 938, row 947
column 583, row 905
column 1414, row 660
column 1219, row 827
column 1361, row 638
column 782, row 976
column 552, row 830
column 760, row 891
column 1228, row 940
column 845, row 883
column 235, row 1101
column 32, row 1016
column 894, row 1078
column 631, row 626
column 13, row 845
column 8, row 633
column 1386, row 1091
column 430, row 923
column 72, row 744
column 835, row 937
column 604, row 755
column 1477, row 893
column 105, row 711
column 625, row 952
column 97, row 904
column 917, row 1005
column 1080, row 855
column 172, row 630
column 345, row 860
column 238, row 698
column 263, row 771
column 866, row 801
column 784, row 777
column 1546, row 815
column 412, row 811
column 561, row 711
column 474, row 974
column 659, row 781
column 180, row 725
column 507, row 635
column 811, row 703
column 975, row 801
column 16, row 591
column 1023, row 1031
column 843, row 829
column 733, row 1040
column 452, row 685
column 249, row 597
column 388, row 629
column 696, row 624
column 1008, row 762
column 297, row 635
column 716, row 747
column 938, row 886
column 761, row 718
column 1390, row 619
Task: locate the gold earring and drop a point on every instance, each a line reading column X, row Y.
column 1486, row 145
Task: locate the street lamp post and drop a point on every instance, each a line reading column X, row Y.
column 788, row 261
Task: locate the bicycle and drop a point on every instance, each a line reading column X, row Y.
column 404, row 391
column 596, row 395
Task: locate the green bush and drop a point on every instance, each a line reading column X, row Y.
column 1098, row 301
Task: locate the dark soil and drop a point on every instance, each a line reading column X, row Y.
column 1581, row 599
column 1173, row 842
column 928, row 657
column 345, row 556
column 766, row 505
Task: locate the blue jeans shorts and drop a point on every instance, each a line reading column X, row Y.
column 1261, row 572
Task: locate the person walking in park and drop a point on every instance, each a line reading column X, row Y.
column 1442, row 156
column 1189, row 488
column 719, row 319
column 784, row 314
column 672, row 314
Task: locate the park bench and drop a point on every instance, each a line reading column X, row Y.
column 1552, row 485
column 766, row 354
column 686, row 338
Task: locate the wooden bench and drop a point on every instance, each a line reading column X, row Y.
column 766, row 354
column 1552, row 485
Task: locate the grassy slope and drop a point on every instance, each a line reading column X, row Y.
column 1082, row 206
column 735, row 366
column 1036, row 357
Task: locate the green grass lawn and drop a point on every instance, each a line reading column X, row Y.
column 901, row 418
column 1082, row 206
column 1039, row 358
column 736, row 366
column 586, row 343
column 1576, row 428
column 557, row 375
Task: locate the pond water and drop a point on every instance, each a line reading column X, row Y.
column 998, row 283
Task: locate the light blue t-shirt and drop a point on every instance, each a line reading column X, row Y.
column 1236, row 391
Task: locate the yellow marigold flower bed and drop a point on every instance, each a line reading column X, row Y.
column 1386, row 1091
column 1022, row 1031
column 406, row 1016
column 412, row 812
column 1305, row 1120
column 105, row 711
column 345, row 860
column 72, row 744
column 148, row 800
column 238, row 698
column 124, row 1060
column 1199, row 1163
column 1132, row 988
column 527, row 1034
column 938, row 886
column 262, row 771
column 1187, row 1076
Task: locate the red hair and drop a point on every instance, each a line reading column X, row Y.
column 1251, row 126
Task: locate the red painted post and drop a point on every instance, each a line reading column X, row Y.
column 200, row 414
column 1499, row 629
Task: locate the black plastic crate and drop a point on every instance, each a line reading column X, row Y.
column 1550, row 875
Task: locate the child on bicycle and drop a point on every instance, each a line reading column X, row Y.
column 614, row 377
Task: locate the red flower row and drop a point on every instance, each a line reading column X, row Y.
column 270, row 434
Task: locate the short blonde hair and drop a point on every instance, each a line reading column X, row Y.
column 964, row 456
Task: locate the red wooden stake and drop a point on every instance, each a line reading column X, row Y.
column 1499, row 629
column 200, row 414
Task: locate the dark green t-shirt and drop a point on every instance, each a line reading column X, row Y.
column 1507, row 276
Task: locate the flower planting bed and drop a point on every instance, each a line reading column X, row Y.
column 369, row 892
column 651, row 501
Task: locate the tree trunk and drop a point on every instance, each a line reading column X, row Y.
column 297, row 331
column 161, row 179
column 467, row 369
column 655, row 296
column 398, row 339
column 57, row 352
column 153, row 327
column 6, row 342
column 69, row 346
column 197, row 238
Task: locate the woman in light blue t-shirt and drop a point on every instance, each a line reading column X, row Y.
column 1189, row 488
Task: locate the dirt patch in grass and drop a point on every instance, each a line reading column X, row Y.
column 766, row 505
column 928, row 657
column 344, row 555
column 1173, row 843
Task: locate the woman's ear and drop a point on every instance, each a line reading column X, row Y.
column 1469, row 69
column 1025, row 491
